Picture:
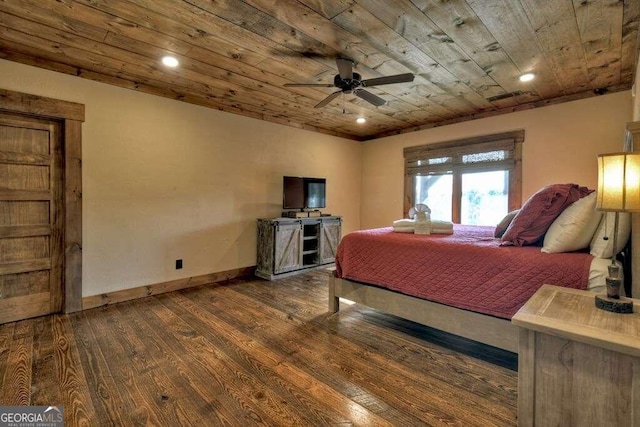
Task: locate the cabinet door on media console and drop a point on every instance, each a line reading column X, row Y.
column 279, row 247
column 330, row 232
column 288, row 247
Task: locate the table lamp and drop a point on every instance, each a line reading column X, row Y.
column 618, row 191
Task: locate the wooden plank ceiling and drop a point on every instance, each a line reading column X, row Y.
column 236, row 55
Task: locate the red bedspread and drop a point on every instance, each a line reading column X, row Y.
column 468, row 269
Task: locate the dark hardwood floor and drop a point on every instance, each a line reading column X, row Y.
column 249, row 353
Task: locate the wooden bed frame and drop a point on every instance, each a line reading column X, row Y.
column 478, row 327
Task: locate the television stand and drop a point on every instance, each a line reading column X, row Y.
column 288, row 246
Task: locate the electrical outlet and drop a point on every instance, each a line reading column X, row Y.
column 178, row 264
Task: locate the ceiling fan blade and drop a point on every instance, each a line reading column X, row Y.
column 308, row 85
column 345, row 68
column 387, row 80
column 369, row 97
column 328, row 99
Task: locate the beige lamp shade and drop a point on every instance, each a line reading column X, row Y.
column 619, row 182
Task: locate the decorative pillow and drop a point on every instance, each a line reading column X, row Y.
column 601, row 248
column 502, row 225
column 537, row 214
column 574, row 228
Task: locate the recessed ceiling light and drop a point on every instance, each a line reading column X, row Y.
column 170, row 61
column 527, row 77
column 361, row 120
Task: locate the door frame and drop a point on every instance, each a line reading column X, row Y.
column 71, row 117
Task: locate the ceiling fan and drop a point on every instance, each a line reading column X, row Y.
column 349, row 82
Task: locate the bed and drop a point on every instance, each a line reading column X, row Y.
column 470, row 283
column 465, row 283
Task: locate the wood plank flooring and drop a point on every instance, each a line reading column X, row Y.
column 252, row 352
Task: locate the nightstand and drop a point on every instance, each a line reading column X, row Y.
column 577, row 365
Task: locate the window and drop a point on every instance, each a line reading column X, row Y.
column 471, row 181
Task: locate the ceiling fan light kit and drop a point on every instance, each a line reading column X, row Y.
column 349, row 82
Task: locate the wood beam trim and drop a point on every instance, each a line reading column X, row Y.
column 630, row 40
column 160, row 288
column 40, row 106
column 73, row 216
column 524, row 107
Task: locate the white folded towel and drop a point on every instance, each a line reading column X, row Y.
column 437, row 226
column 403, row 229
column 404, row 223
column 412, row 230
column 441, row 225
column 441, row 231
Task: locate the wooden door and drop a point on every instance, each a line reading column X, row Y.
column 31, row 217
column 288, row 247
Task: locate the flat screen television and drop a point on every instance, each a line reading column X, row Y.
column 303, row 193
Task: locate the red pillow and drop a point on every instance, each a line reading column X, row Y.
column 537, row 214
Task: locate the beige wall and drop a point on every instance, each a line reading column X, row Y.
column 165, row 180
column 561, row 144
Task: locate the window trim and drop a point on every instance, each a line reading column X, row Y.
column 513, row 139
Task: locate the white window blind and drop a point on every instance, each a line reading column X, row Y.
column 428, row 159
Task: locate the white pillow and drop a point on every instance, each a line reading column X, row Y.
column 574, row 227
column 604, row 248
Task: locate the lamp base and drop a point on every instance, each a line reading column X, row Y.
column 622, row 305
